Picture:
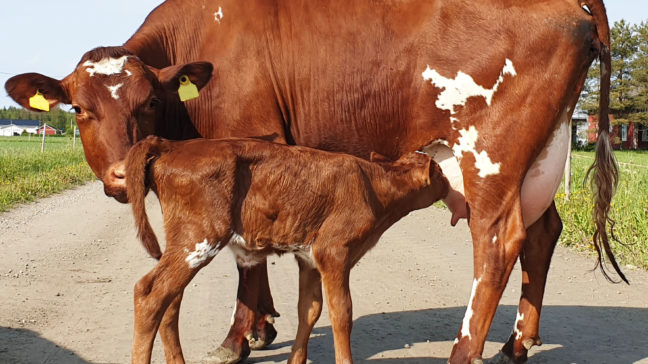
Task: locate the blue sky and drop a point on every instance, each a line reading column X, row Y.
column 49, row 37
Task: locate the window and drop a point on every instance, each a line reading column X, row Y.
column 624, row 132
column 644, row 133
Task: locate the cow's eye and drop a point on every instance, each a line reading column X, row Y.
column 77, row 109
column 155, row 102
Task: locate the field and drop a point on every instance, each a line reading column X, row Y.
column 27, row 174
column 629, row 207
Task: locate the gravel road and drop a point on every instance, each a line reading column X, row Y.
column 69, row 263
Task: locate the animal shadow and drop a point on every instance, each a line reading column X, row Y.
column 23, row 346
column 571, row 334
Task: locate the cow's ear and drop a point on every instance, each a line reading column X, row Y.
column 22, row 87
column 199, row 73
column 379, row 158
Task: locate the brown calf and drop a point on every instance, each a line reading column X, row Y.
column 260, row 198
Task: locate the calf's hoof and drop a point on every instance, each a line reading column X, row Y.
column 224, row 355
column 265, row 336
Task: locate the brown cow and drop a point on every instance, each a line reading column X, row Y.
column 487, row 87
column 260, row 198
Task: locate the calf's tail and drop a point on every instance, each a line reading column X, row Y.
column 138, row 163
column 605, row 170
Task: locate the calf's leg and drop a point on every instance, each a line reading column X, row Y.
column 309, row 308
column 535, row 258
column 152, row 295
column 169, row 332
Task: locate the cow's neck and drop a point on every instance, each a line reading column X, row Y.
column 168, row 36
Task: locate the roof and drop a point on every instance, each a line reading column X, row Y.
column 21, row 123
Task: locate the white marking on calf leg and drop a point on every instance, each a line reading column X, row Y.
column 234, row 313
column 518, row 319
column 465, row 326
column 107, row 66
column 202, row 252
column 218, row 16
column 113, row 90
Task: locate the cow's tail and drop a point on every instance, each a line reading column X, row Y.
column 138, row 164
column 605, row 170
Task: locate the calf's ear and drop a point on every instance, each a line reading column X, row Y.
column 22, row 87
column 199, row 73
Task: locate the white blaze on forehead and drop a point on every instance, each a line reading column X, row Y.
column 466, row 144
column 456, row 91
column 218, row 16
column 202, row 252
column 518, row 333
column 113, row 90
column 465, row 326
column 107, row 66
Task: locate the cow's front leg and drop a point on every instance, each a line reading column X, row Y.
column 253, row 281
column 265, row 332
column 535, row 258
column 498, row 233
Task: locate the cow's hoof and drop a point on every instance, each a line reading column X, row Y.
column 264, row 338
column 223, row 356
column 501, row 358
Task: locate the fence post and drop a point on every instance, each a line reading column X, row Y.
column 74, row 137
column 43, row 141
column 568, row 164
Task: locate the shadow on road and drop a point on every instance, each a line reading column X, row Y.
column 577, row 334
column 22, row 346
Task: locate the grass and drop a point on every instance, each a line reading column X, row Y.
column 26, row 174
column 629, row 207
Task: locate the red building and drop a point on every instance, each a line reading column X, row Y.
column 623, row 136
column 48, row 131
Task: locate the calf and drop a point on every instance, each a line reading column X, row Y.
column 260, row 198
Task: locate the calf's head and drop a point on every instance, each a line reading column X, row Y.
column 118, row 100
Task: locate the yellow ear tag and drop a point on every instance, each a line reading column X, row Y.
column 187, row 90
column 38, row 102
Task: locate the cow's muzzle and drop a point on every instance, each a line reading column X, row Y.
column 114, row 182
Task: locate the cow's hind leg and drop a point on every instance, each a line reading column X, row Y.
column 152, row 295
column 534, row 259
column 498, row 233
column 309, row 308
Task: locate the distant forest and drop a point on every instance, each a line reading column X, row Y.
column 56, row 117
column 629, row 87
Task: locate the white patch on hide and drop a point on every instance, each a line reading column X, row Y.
column 494, row 239
column 244, row 258
column 128, row 73
column 107, row 66
column 218, row 16
column 202, row 252
column 466, row 144
column 465, row 326
column 113, row 90
column 457, row 91
column 518, row 333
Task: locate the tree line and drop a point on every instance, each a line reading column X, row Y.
column 56, row 117
column 629, row 76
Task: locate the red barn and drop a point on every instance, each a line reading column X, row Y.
column 48, row 131
column 622, row 136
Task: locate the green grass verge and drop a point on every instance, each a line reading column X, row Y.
column 629, row 207
column 27, row 174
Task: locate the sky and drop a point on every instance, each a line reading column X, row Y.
column 49, row 37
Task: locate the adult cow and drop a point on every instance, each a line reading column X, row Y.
column 487, row 87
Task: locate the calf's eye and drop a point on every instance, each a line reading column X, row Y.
column 154, row 103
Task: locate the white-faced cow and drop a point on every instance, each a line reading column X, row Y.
column 486, row 87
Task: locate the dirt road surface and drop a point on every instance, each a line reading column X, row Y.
column 68, row 265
